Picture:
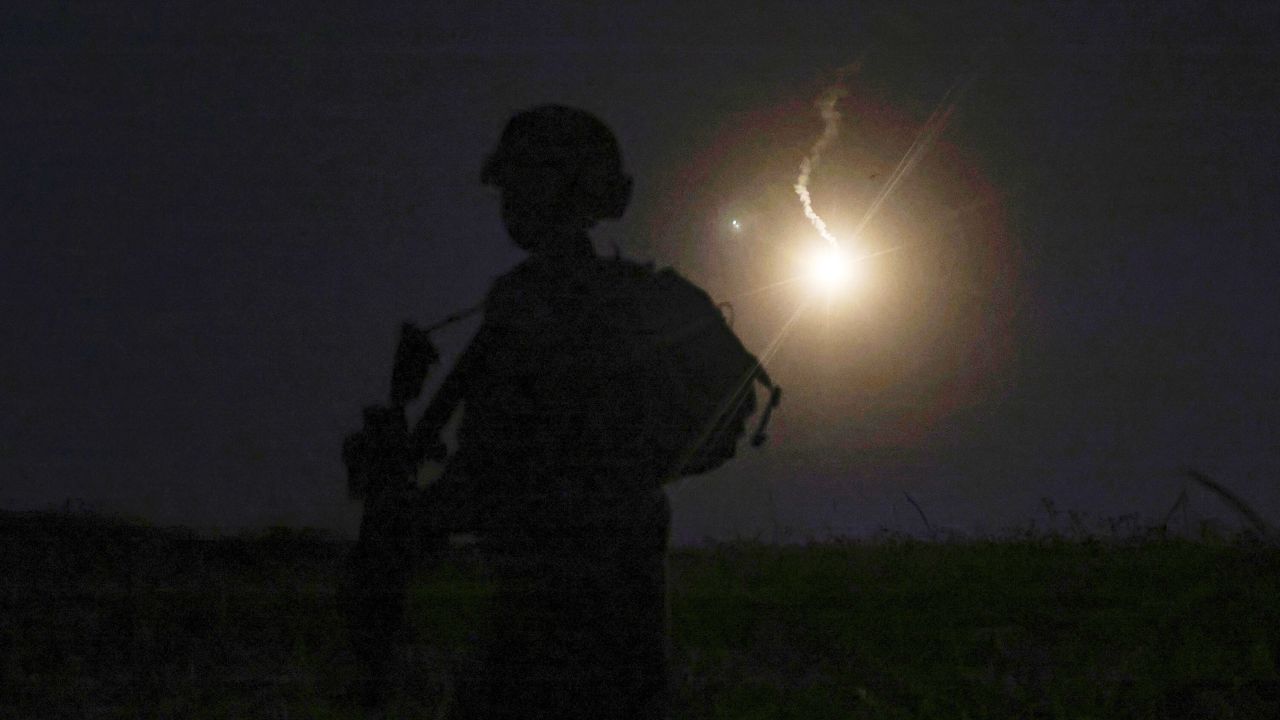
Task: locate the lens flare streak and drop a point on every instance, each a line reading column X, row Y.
column 773, row 346
column 936, row 121
column 766, row 288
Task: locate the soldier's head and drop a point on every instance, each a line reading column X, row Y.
column 559, row 170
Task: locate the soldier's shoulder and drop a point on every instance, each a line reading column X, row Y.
column 512, row 289
column 654, row 286
column 613, row 285
column 504, row 309
column 635, row 276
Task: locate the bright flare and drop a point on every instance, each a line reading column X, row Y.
column 831, row 269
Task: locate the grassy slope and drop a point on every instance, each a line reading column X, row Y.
column 105, row 619
column 986, row 629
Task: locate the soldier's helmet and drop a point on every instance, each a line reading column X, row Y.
column 570, row 140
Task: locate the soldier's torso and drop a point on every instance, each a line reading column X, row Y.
column 552, row 427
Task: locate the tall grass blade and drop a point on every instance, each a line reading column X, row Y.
column 916, row 505
column 1181, row 501
column 1232, row 500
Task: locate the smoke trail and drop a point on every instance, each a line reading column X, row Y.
column 831, row 128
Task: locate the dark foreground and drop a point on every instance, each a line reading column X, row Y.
column 103, row 618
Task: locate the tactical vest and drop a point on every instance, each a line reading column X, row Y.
column 607, row 368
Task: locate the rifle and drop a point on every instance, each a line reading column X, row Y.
column 382, row 460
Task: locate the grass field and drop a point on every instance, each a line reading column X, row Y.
column 104, row 618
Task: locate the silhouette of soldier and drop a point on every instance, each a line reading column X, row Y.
column 568, row 506
column 589, row 384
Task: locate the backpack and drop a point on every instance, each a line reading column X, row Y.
column 701, row 387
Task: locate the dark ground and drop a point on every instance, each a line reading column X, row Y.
column 107, row 618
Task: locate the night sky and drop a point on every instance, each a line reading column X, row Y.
column 213, row 218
